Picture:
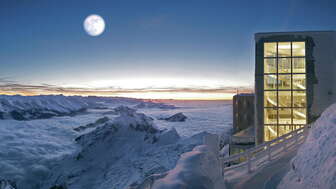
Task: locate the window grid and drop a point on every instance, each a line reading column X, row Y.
column 292, row 107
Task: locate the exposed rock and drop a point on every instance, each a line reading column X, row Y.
column 124, row 110
column 179, row 117
column 92, row 125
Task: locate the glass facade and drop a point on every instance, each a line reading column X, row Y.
column 285, row 99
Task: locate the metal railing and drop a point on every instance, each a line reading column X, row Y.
column 254, row 158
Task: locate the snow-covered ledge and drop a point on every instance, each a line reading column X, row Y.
column 314, row 164
column 199, row 168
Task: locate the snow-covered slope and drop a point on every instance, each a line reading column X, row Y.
column 199, row 168
column 314, row 165
column 36, row 107
column 38, row 150
column 45, row 106
column 120, row 153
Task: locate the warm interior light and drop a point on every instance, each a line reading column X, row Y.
column 284, row 46
column 272, row 131
column 300, row 114
column 271, row 101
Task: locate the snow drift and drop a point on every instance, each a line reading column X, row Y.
column 314, row 164
column 121, row 152
column 199, row 168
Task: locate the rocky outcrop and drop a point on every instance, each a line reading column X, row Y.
column 92, row 125
column 179, row 117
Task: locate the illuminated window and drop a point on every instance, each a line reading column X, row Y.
column 270, row 116
column 285, row 115
column 270, row 133
column 284, row 49
column 270, row 99
column 299, row 81
column 299, row 49
column 284, row 129
column 285, row 104
column 284, row 82
column 299, row 99
column 270, row 49
column 299, row 116
column 299, row 65
column 270, row 65
column 270, row 82
column 285, row 98
column 284, row 65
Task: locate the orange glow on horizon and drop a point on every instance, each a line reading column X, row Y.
column 139, row 95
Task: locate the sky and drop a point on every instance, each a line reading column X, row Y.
column 162, row 49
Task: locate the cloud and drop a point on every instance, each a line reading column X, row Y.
column 12, row 88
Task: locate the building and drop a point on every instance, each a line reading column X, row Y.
column 294, row 80
column 243, row 123
column 243, row 111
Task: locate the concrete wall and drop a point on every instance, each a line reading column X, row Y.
column 320, row 66
column 243, row 112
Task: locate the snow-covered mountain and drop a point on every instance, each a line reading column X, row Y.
column 46, row 106
column 314, row 164
column 121, row 152
column 36, row 107
column 116, row 147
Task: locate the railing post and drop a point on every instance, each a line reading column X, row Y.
column 249, row 170
column 222, row 165
column 296, row 138
column 285, row 145
column 269, row 152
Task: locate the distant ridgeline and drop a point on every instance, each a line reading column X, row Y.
column 46, row 106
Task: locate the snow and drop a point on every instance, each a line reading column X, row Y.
column 199, row 168
column 120, row 153
column 32, row 107
column 210, row 116
column 46, row 106
column 314, row 164
column 37, row 150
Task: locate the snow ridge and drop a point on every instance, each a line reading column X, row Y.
column 314, row 164
column 121, row 153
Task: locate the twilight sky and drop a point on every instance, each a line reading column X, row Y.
column 181, row 49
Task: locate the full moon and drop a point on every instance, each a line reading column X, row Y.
column 94, row 25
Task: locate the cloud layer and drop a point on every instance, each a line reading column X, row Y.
column 11, row 88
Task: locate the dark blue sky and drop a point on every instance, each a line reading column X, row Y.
column 160, row 42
